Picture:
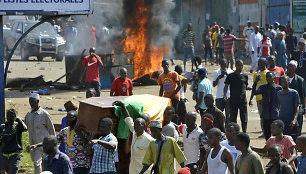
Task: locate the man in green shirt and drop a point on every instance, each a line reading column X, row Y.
column 249, row 162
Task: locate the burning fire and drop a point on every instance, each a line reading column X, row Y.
column 147, row 58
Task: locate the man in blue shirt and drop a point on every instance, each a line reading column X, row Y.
column 205, row 87
column 56, row 161
column 270, row 110
column 289, row 103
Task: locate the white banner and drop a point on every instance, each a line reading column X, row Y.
column 21, row 7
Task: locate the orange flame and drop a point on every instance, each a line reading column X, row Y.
column 147, row 58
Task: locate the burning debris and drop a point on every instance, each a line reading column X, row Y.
column 141, row 27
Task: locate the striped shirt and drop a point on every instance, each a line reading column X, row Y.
column 103, row 159
column 228, row 43
column 188, row 38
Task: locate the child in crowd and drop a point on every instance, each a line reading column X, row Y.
column 275, row 154
column 169, row 128
column 285, row 142
column 231, row 131
column 301, row 147
column 191, row 133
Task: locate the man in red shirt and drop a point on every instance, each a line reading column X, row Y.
column 92, row 62
column 278, row 71
column 170, row 85
column 228, row 40
column 122, row 86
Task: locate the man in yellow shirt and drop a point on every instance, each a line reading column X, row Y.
column 215, row 43
column 162, row 151
column 262, row 71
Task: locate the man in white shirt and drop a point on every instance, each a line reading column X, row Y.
column 191, row 139
column 140, row 141
column 247, row 31
column 255, row 38
column 219, row 78
column 232, row 129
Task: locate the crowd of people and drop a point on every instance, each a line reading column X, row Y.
column 217, row 146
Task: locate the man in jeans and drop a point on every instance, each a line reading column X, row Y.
column 238, row 83
column 219, row 78
column 92, row 62
column 10, row 139
column 188, row 40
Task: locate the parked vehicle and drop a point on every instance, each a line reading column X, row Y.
column 41, row 42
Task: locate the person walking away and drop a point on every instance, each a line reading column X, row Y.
column 220, row 159
column 248, row 162
column 122, row 86
column 162, row 152
column 264, row 47
column 291, row 42
column 284, row 141
column 188, row 40
column 103, row 150
column 278, row 71
column 270, row 103
column 231, row 131
column 215, row 112
column 11, row 141
column 289, row 103
column 205, row 87
column 92, row 63
column 170, row 84
column 70, row 34
column 39, row 126
column 261, row 75
column 181, row 112
column 275, row 153
column 191, row 140
column 238, row 83
column 216, row 44
column 56, row 161
column 219, row 78
column 280, row 51
column 297, row 83
column 140, row 141
column 301, row 160
column 221, row 43
column 207, row 45
column 228, row 40
column 255, row 39
column 247, row 31
column 300, row 57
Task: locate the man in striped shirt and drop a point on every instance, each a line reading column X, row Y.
column 228, row 40
column 188, row 40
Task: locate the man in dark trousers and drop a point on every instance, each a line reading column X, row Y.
column 300, row 57
column 297, row 83
column 92, row 62
column 238, row 83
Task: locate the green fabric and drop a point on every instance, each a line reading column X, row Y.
column 135, row 109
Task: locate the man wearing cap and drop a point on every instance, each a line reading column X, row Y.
column 247, row 31
column 297, row 83
column 255, row 39
column 205, row 87
column 300, row 57
column 162, row 151
column 39, row 126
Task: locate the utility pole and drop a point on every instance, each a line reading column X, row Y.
column 2, row 85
